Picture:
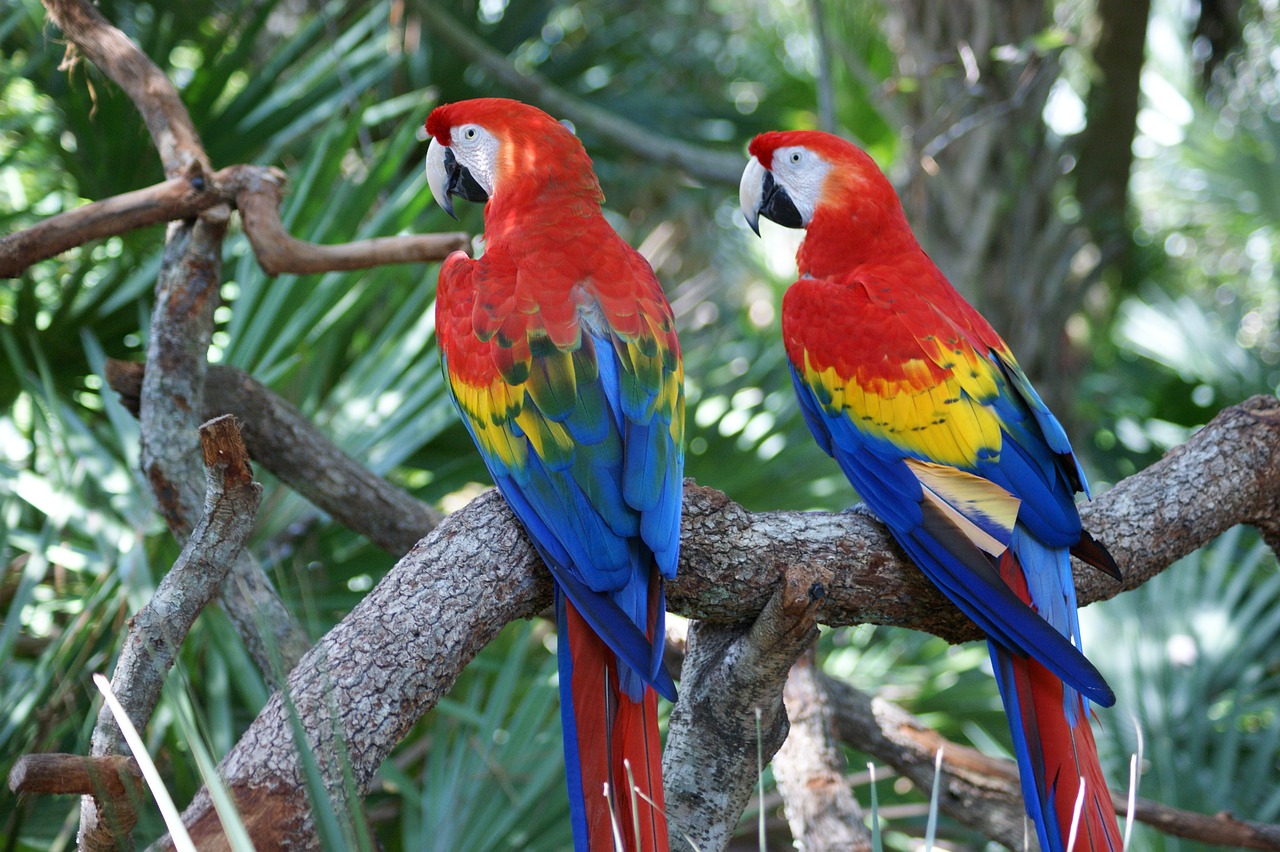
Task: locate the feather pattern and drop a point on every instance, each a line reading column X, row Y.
column 926, row 411
column 561, row 356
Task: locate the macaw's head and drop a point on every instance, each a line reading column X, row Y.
column 795, row 175
column 503, row 150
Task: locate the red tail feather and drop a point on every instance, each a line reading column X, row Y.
column 615, row 733
column 1065, row 754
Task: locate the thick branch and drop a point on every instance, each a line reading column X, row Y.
column 730, row 720
column 380, row 669
column 256, row 190
column 810, row 769
column 694, row 160
column 285, row 442
column 157, row 632
column 391, row 658
column 167, row 119
column 1227, row 474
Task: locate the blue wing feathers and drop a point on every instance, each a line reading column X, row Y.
column 1049, row 428
column 1004, row 617
column 644, row 469
column 1030, row 764
column 601, row 483
column 659, row 620
column 812, row 412
column 607, row 378
column 1048, row 512
column 660, row 526
column 603, row 515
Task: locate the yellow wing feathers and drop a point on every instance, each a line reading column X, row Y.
column 501, row 421
column 922, row 410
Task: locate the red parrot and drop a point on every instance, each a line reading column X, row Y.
column 560, row 354
column 941, row 433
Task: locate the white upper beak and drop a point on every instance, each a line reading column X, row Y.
column 438, row 176
column 751, row 193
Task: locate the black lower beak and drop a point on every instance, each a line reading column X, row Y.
column 777, row 206
column 460, row 182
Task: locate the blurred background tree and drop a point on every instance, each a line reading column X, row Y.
column 1100, row 178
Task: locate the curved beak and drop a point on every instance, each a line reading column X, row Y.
column 760, row 195
column 447, row 177
column 438, row 175
column 751, row 193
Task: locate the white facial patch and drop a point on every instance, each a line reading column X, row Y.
column 477, row 150
column 801, row 173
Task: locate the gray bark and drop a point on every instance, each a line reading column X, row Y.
column 810, row 769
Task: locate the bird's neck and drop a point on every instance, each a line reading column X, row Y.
column 865, row 230
column 540, row 209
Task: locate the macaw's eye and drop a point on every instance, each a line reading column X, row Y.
column 795, row 156
column 469, row 133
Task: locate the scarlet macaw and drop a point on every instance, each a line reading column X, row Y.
column 561, row 356
column 941, row 433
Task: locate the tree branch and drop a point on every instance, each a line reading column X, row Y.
column 114, row 782
column 977, row 791
column 158, row 630
column 177, row 198
column 983, row 792
column 810, row 769
column 175, row 137
column 1229, row 473
column 254, row 190
column 279, row 252
column 181, row 324
column 392, row 657
column 696, row 161
column 285, row 442
column 375, row 673
column 171, row 402
column 730, row 719
column 1220, row 829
